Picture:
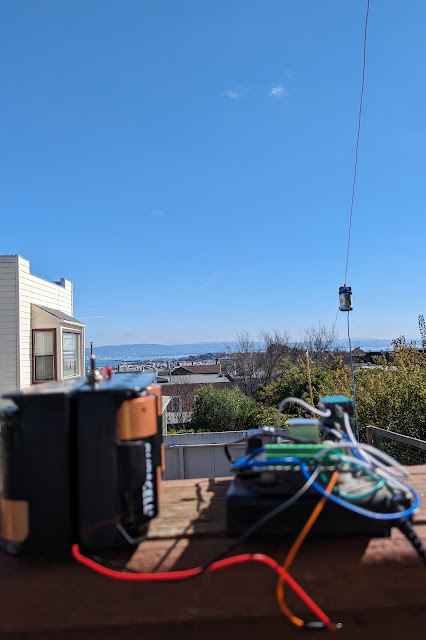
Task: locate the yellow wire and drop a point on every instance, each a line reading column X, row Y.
column 298, row 622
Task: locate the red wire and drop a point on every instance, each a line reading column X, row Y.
column 107, row 372
column 189, row 573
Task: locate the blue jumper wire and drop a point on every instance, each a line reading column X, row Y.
column 363, row 512
column 249, row 462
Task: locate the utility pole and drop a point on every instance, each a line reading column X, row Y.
column 309, row 377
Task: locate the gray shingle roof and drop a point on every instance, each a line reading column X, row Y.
column 197, row 369
column 205, row 378
column 59, row 314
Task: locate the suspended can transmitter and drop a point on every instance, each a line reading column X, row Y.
column 345, row 298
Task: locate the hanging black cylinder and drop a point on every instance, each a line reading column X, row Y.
column 345, row 298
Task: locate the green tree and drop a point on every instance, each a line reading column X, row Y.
column 393, row 395
column 331, row 378
column 223, row 410
column 267, row 416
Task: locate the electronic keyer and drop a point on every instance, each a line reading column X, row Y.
column 81, row 463
column 279, row 481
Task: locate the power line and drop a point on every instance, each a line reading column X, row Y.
column 357, row 139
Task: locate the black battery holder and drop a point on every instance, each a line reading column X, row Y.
column 251, row 496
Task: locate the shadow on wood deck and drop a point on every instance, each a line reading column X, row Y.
column 377, row 587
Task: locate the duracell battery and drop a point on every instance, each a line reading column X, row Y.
column 14, row 519
column 156, row 390
column 137, row 418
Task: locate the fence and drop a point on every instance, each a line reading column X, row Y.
column 404, row 449
column 201, row 455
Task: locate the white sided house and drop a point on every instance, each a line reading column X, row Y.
column 39, row 338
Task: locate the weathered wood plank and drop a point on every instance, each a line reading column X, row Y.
column 357, row 581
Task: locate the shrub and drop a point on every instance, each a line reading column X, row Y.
column 223, row 410
column 393, row 395
column 331, row 378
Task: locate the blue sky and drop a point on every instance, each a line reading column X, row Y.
column 189, row 164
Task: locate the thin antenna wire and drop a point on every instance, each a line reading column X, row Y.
column 357, row 140
column 353, row 379
column 335, row 320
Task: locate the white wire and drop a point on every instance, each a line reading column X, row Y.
column 390, row 480
column 358, row 462
column 334, row 432
column 372, row 460
column 302, row 403
column 351, row 435
column 376, row 472
column 393, row 464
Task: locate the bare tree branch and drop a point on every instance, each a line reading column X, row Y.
column 319, row 342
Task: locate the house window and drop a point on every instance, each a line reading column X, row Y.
column 71, row 350
column 43, row 355
column 175, row 404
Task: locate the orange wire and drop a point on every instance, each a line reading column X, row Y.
column 298, row 622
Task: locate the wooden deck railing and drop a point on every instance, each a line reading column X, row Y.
column 405, row 449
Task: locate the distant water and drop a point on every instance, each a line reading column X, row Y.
column 107, row 362
column 104, row 363
column 386, row 346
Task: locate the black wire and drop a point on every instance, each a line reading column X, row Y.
column 111, row 563
column 406, row 526
column 299, row 440
column 257, row 525
column 312, row 625
column 228, row 455
column 260, row 434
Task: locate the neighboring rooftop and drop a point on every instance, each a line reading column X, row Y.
column 198, row 379
column 59, row 314
column 358, row 352
column 197, row 369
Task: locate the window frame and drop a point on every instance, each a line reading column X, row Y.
column 173, row 401
column 80, row 332
column 33, row 356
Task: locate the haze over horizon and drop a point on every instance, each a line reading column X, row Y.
column 339, row 339
column 189, row 166
column 217, row 345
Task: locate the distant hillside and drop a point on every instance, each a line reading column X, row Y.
column 134, row 351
